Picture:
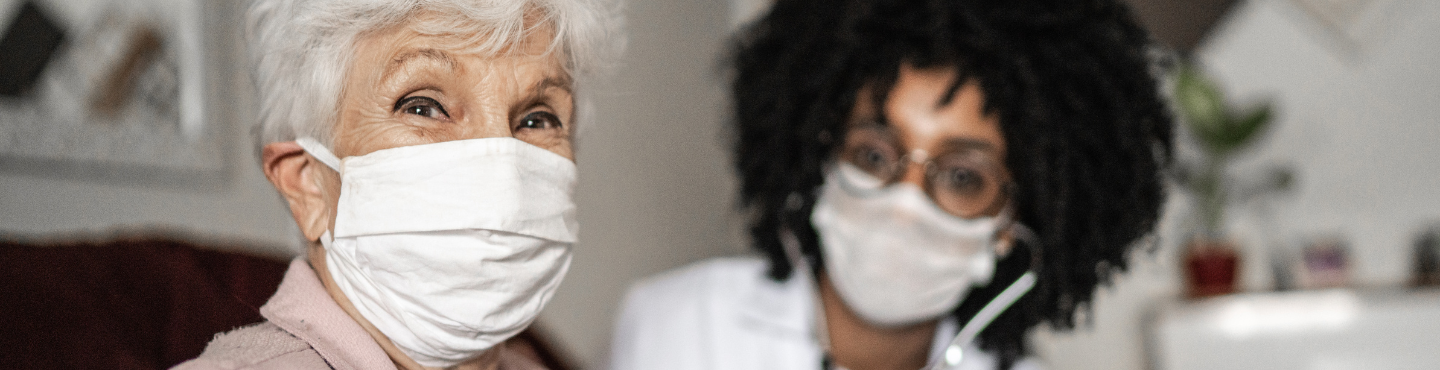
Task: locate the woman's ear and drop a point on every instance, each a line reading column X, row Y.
column 292, row 172
column 1005, row 242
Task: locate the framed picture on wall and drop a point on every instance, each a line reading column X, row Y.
column 120, row 99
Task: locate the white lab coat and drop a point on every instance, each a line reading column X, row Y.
column 725, row 314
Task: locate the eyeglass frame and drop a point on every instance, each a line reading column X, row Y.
column 929, row 172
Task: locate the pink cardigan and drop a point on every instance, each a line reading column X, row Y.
column 306, row 329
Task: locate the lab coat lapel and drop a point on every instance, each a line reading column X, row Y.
column 780, row 308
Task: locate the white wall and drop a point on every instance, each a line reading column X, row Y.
column 656, row 189
column 1361, row 129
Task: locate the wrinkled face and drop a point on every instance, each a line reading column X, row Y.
column 951, row 149
column 406, row 88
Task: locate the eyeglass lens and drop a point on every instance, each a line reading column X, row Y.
column 965, row 183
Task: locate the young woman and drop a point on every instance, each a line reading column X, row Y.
column 927, row 181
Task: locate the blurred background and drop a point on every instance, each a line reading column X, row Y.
column 128, row 121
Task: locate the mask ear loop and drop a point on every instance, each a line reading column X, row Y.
column 954, row 351
column 802, row 270
column 315, row 149
column 319, row 152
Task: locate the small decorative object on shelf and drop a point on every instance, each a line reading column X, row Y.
column 1212, row 261
column 1211, row 266
column 1326, row 263
column 1427, row 258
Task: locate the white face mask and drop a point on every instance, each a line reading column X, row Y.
column 450, row 248
column 894, row 257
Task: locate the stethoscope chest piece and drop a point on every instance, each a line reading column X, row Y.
column 953, row 355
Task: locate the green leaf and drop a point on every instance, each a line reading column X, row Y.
column 1201, row 104
column 1247, row 129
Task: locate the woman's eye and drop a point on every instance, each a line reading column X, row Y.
column 959, row 180
column 422, row 106
column 873, row 159
column 539, row 121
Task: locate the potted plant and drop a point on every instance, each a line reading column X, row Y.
column 1221, row 132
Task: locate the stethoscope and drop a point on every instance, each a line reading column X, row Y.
column 954, row 352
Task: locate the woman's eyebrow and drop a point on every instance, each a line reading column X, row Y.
column 968, row 144
column 426, row 55
column 537, row 91
column 536, row 94
column 560, row 81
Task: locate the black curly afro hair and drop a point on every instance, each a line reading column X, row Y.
column 1087, row 130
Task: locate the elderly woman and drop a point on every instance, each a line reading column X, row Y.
column 425, row 150
column 928, row 180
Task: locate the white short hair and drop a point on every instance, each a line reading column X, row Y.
column 301, row 49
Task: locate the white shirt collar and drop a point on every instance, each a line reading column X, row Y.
column 788, row 308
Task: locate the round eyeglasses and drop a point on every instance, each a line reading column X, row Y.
column 964, row 179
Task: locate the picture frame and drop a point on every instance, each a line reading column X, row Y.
column 124, row 99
